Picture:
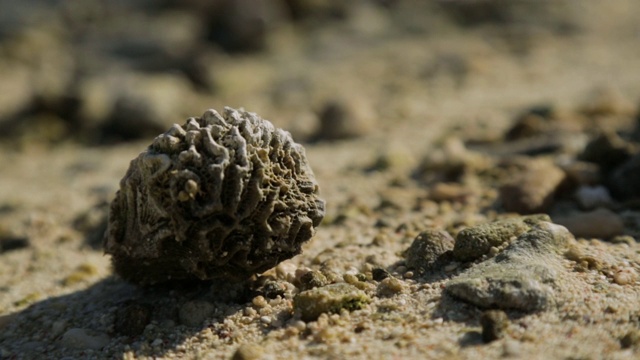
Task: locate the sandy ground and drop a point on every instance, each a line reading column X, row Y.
column 59, row 298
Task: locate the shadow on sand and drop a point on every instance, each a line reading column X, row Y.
column 111, row 317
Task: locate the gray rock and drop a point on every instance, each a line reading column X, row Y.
column 600, row 223
column 524, row 277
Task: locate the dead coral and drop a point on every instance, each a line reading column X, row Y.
column 219, row 197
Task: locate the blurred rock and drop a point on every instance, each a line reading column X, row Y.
column 143, row 106
column 533, row 189
column 494, row 324
column 607, row 101
column 591, row 197
column 600, row 223
column 624, row 181
column 77, row 338
column 10, row 242
column 581, row 173
column 318, row 10
column 242, row 25
column 532, row 121
column 608, row 150
column 344, row 119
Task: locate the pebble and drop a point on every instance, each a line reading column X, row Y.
column 523, row 277
column 494, row 324
column 248, row 352
column 195, row 312
column 600, row 223
column 427, row 248
column 591, row 197
column 608, row 150
column 532, row 190
column 625, row 276
column 310, row 304
column 449, row 192
column 84, row 339
column 379, row 274
column 511, row 348
column 312, row 279
column 390, row 286
column 343, row 120
column 583, row 173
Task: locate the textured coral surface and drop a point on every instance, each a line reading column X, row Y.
column 218, row 197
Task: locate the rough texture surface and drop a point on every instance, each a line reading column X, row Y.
column 427, row 248
column 329, row 299
column 471, row 243
column 219, row 197
column 523, row 277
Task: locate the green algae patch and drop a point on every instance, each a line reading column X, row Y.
column 310, row 304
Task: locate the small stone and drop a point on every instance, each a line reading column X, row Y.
column 631, row 339
column 471, row 243
column 523, row 277
column 591, row 197
column 248, row 352
column 379, row 274
column 343, row 120
column 494, row 324
column 608, row 150
column 511, row 348
column 195, row 312
column 625, row 276
column 312, row 279
column 259, row 302
column 533, row 189
column 272, row 289
column 449, row 192
column 329, row 299
column 390, row 286
column 77, row 338
column 132, row 319
column 583, row 173
column 427, row 248
column 601, row 223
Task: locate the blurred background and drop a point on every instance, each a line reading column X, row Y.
column 96, row 72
